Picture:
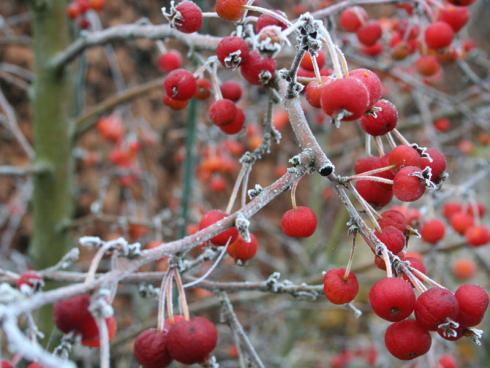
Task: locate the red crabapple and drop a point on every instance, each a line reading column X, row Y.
column 392, row 299
column 406, row 187
column 455, row 16
column 427, row 65
column 188, row 18
column 351, row 19
column 259, row 69
column 180, row 84
column 231, row 10
column 232, row 51
column 231, row 90
column 150, row 348
column 435, row 306
column 407, row 340
column 433, row 231
column 337, row 289
column 210, row 218
column 347, row 95
column 242, row 251
column 222, row 112
column 473, row 303
column 477, row 236
column 438, row 35
column 369, row 33
column 381, row 120
column 393, row 238
column 299, row 222
column 169, row 61
column 372, row 83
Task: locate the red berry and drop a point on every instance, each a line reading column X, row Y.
column 392, row 299
column 231, row 10
column 337, row 289
column 374, row 50
column 72, row 314
column 477, row 236
column 374, row 193
column 258, row 70
column 242, row 251
column 404, row 155
column 210, row 218
column 348, row 94
column 299, row 222
column 90, row 334
column 97, row 5
column 437, row 165
column 442, row 125
column 447, row 361
column 434, row 306
column 433, row 231
column 393, row 218
column 180, row 84
column 175, row 104
column 427, row 65
column 169, row 61
column 231, row 90
column 393, row 238
column 407, row 340
column 372, row 83
column 192, row 341
column 31, row 279
column 351, row 19
column 461, row 222
column 190, row 18
column 480, row 209
column 222, row 112
column 203, row 90
column 461, row 2
column 369, row 33
column 6, row 364
column 32, row 365
column 313, row 92
column 150, row 348
column 381, row 120
column 438, row 35
column 111, row 128
column 266, row 20
column 73, row 10
column 473, row 303
column 232, row 51
column 236, row 125
column 406, row 187
column 307, row 63
column 455, row 16
column 451, row 208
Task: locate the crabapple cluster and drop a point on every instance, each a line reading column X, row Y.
column 78, row 9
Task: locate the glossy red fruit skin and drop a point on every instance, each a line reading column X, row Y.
column 256, row 67
column 372, row 83
column 150, row 348
column 393, row 218
column 230, row 9
column 393, row 238
column 266, row 20
column 408, row 188
column 392, row 299
column 438, row 164
column 461, row 2
column 307, row 63
column 434, row 306
column 348, row 94
column 433, row 231
column 222, row 112
column 451, row 208
column 242, row 251
column 404, row 155
column 180, row 84
column 407, row 340
column 374, row 50
column 461, row 222
column 384, row 121
column 351, row 19
column 477, row 236
column 210, row 218
column 427, row 65
column 337, row 289
column 455, row 16
column 232, row 45
column 72, row 314
column 236, row 125
column 374, row 193
column 192, row 341
column 231, row 90
column 313, row 92
column 299, row 222
column 369, row 33
column 90, row 333
column 73, row 10
column 438, row 35
column 169, row 61
column 191, row 17
column 473, row 303
column 203, row 90
column 176, row 105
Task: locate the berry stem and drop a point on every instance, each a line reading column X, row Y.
column 343, row 61
column 374, row 171
column 316, row 69
column 400, row 137
column 169, row 297
column 245, row 185
column 367, row 144
column 182, row 297
column 210, row 15
column 161, row 301
column 365, row 205
column 96, row 261
column 293, row 193
column 331, row 51
column 371, row 178
column 379, row 146
column 236, row 188
column 351, row 256
column 386, row 258
column 426, row 278
column 391, row 141
column 161, row 47
column 273, row 14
